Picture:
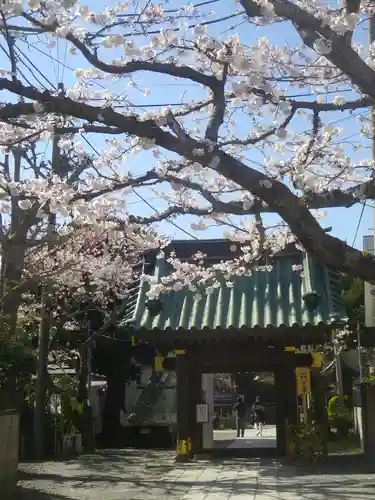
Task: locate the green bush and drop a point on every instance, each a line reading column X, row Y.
column 334, row 407
column 71, row 409
column 228, row 422
column 340, row 418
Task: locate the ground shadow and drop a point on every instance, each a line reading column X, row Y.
column 108, row 469
column 336, row 464
column 24, row 493
column 147, row 471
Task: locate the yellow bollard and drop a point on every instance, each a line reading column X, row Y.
column 184, row 447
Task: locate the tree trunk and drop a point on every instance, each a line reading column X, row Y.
column 114, row 403
column 41, row 384
column 13, row 251
column 84, row 398
column 45, row 323
column 13, row 262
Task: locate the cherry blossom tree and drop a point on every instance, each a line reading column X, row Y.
column 224, row 382
column 56, row 268
column 190, row 154
column 89, row 272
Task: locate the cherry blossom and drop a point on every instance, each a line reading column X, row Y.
column 255, row 133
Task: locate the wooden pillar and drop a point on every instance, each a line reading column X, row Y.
column 286, row 405
column 195, row 398
column 368, row 419
column 183, row 413
column 189, row 394
column 318, row 388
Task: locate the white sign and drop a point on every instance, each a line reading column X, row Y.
column 202, row 414
column 55, row 404
column 173, row 418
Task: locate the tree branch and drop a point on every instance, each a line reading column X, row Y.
column 217, row 118
column 116, row 121
column 133, row 66
column 176, row 127
column 265, row 135
column 341, row 55
column 275, row 194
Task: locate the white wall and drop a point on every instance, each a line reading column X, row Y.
column 167, row 403
column 208, row 431
column 358, row 423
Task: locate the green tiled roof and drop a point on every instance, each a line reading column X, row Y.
column 267, row 299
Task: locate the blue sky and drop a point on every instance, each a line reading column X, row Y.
column 166, row 90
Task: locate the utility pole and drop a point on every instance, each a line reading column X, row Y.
column 372, row 40
column 370, row 245
column 41, row 384
column 359, row 347
column 338, row 365
column 369, row 241
column 84, row 385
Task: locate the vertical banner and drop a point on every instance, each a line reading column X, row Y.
column 303, row 376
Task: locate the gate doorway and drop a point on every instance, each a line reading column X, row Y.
column 226, row 430
column 268, row 321
column 195, row 396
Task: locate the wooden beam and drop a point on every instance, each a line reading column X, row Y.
column 286, row 405
column 221, row 356
column 183, row 389
column 225, row 358
column 281, row 337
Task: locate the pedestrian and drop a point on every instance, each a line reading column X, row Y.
column 259, row 414
column 240, row 408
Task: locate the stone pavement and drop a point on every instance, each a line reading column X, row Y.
column 146, row 475
column 251, row 440
column 228, row 438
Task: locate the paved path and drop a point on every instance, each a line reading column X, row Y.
column 141, row 475
column 250, row 440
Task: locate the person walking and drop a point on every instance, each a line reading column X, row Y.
column 240, row 408
column 259, row 413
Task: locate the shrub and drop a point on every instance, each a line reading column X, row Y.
column 334, row 407
column 340, row 418
column 228, row 422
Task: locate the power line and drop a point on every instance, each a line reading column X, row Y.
column 359, row 224
column 142, row 198
column 168, row 220
column 34, row 68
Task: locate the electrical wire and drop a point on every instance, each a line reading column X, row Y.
column 143, row 199
column 34, row 67
column 63, row 63
column 359, row 224
column 169, row 221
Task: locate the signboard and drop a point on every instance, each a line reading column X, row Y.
column 159, row 363
column 317, row 359
column 202, row 414
column 173, row 418
column 55, row 404
column 303, row 381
